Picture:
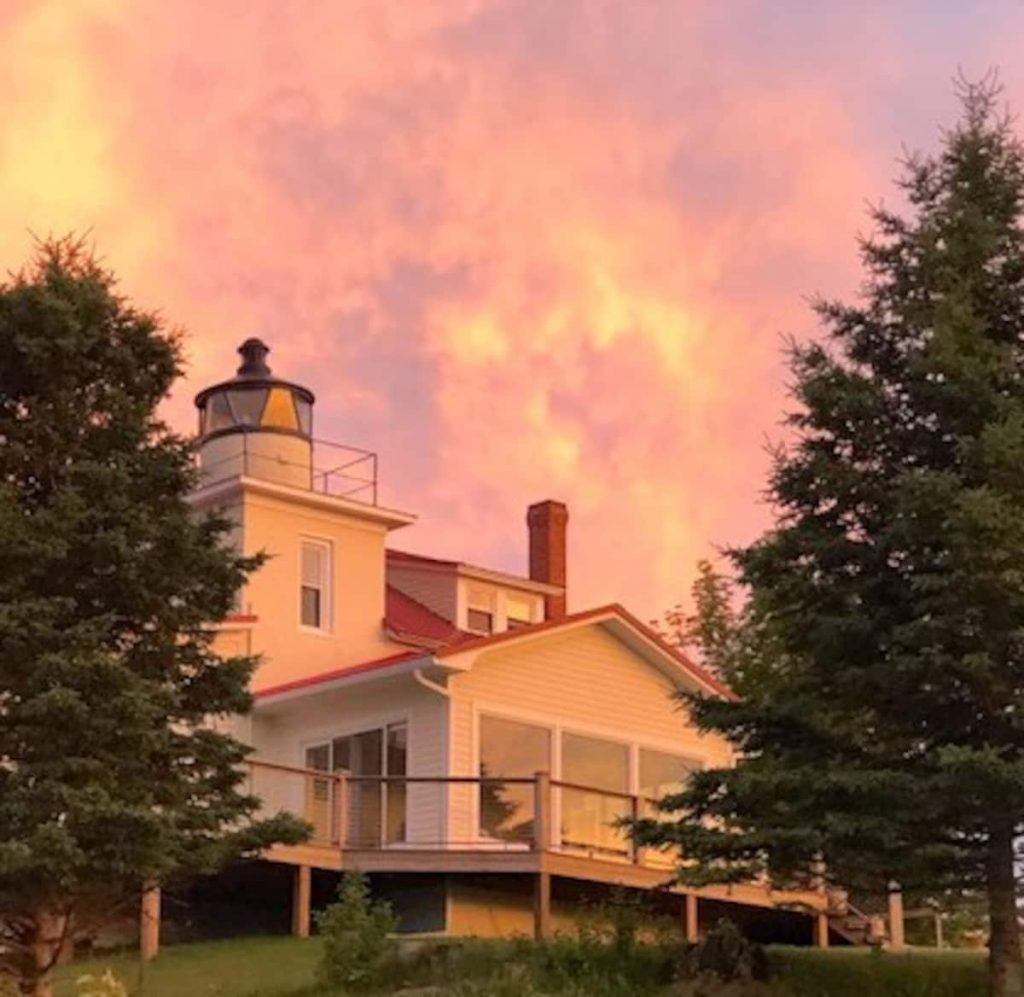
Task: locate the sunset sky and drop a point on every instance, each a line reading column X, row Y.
column 530, row 249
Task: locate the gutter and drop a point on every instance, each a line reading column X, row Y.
column 417, row 674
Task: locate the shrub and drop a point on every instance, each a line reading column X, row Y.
column 725, row 953
column 106, row 985
column 358, row 950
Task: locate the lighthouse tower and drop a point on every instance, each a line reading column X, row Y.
column 256, row 425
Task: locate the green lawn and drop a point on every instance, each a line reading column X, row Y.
column 246, row 967
column 855, row 972
column 284, row 967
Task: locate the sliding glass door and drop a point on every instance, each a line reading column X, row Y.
column 375, row 807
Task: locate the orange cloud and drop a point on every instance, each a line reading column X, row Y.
column 523, row 249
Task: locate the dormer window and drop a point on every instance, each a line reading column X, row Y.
column 480, row 621
column 480, row 611
column 518, row 612
column 315, row 585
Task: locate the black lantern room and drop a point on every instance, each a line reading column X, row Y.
column 255, row 400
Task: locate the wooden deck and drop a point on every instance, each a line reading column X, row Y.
column 535, row 862
column 561, row 831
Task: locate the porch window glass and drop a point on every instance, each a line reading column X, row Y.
column 366, row 757
column 397, row 754
column 662, row 773
column 512, row 750
column 319, row 795
column 589, row 815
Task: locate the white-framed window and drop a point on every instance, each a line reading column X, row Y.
column 509, row 749
column 518, row 611
column 598, row 780
column 480, row 611
column 315, row 585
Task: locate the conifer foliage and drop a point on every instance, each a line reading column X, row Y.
column 888, row 733
column 111, row 776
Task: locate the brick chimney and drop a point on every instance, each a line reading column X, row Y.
column 547, row 522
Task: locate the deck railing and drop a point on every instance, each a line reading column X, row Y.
column 491, row 813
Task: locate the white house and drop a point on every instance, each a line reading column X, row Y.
column 453, row 731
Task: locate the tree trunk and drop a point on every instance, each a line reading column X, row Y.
column 1005, row 963
column 50, row 932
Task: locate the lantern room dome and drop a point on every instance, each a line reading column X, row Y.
column 254, row 400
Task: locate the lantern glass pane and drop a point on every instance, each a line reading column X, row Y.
column 280, row 410
column 247, row 405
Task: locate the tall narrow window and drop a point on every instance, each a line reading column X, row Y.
column 396, row 758
column 319, row 798
column 315, row 586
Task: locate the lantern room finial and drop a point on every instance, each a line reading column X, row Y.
column 254, row 358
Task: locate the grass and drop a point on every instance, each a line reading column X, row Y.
column 285, row 967
column 244, row 967
column 863, row 973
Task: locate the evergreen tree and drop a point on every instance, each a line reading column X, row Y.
column 888, row 734
column 112, row 776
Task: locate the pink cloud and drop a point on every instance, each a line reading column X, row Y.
column 523, row 249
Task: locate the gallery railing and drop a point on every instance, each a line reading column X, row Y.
column 331, row 468
column 456, row 812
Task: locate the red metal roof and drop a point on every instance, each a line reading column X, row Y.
column 408, row 619
column 338, row 673
column 404, row 555
column 412, row 621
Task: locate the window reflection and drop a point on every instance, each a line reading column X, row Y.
column 662, row 774
column 588, row 817
column 514, row 750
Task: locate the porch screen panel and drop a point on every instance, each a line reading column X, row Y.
column 396, row 796
column 319, row 797
column 661, row 774
column 362, row 755
column 512, row 750
column 589, row 814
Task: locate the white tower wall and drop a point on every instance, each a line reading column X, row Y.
column 279, row 457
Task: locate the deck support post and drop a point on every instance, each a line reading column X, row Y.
column 149, row 922
column 691, row 917
column 542, row 812
column 542, row 906
column 821, row 930
column 897, row 935
column 301, row 895
column 542, row 845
